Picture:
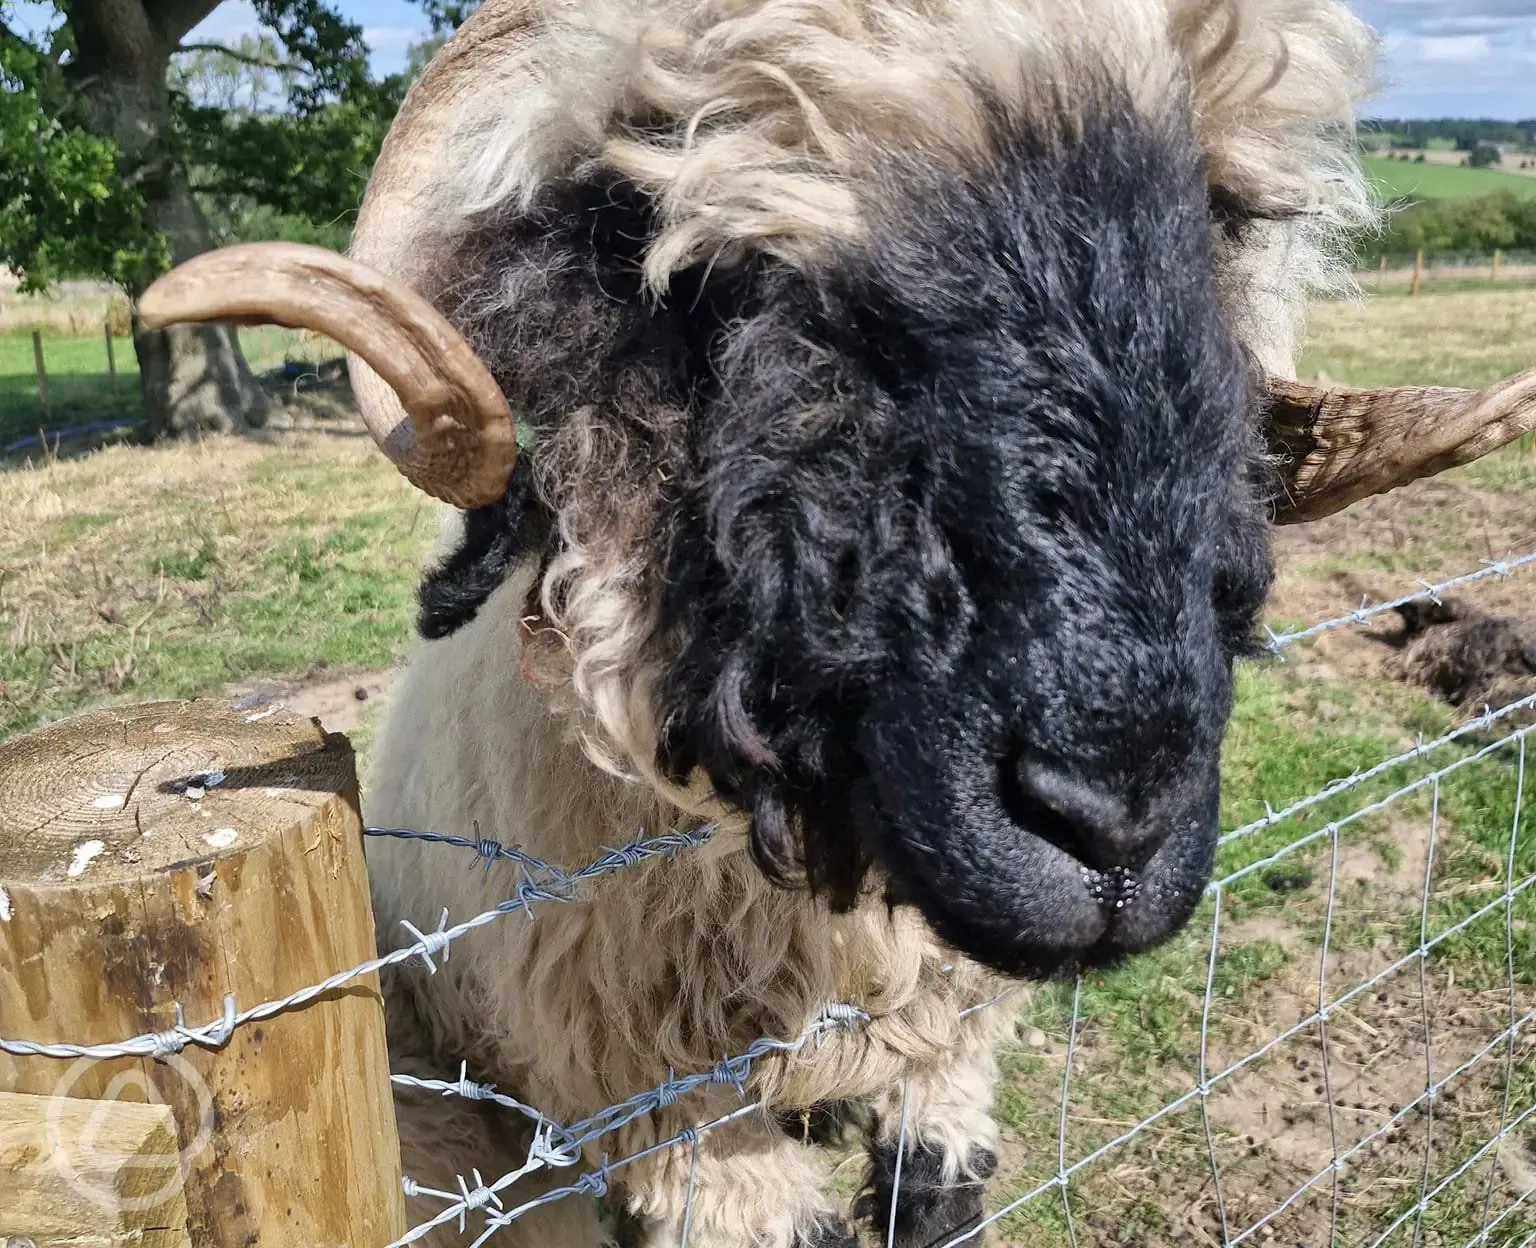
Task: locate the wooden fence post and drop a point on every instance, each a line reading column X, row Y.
column 1498, row 260
column 111, row 356
column 1418, row 271
column 182, row 854
column 1381, row 276
column 58, row 1155
column 42, row 369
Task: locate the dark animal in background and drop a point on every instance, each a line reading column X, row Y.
column 1465, row 656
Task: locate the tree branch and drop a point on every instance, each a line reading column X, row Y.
column 225, row 186
column 245, row 58
column 174, row 18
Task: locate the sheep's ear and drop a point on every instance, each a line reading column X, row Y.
column 496, row 540
column 1338, row 445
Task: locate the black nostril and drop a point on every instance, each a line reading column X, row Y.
column 1094, row 826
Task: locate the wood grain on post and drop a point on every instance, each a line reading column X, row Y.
column 41, row 367
column 131, row 883
column 90, row 1174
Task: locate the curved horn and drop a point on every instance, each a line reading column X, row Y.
column 458, row 444
column 1339, row 445
column 409, row 223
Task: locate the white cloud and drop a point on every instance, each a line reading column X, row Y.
column 1454, row 49
column 1465, row 26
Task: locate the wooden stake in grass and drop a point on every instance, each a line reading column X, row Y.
column 1418, row 271
column 111, row 357
column 180, row 854
column 1381, row 277
column 1498, row 259
column 42, row 369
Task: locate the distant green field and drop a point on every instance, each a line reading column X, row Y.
column 1397, row 179
column 79, row 386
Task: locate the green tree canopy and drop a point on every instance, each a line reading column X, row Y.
column 1501, row 221
column 289, row 122
column 65, row 207
column 117, row 144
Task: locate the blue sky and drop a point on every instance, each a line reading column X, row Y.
column 1444, row 58
column 389, row 25
column 1456, row 58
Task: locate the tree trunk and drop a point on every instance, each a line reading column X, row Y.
column 194, row 377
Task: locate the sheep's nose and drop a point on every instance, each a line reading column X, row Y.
column 1094, row 826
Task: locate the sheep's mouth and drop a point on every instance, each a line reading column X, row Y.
column 1034, row 911
column 1107, row 916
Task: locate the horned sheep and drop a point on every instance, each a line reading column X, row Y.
column 904, row 391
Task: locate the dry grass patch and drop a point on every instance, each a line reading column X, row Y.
column 173, row 570
column 1462, row 338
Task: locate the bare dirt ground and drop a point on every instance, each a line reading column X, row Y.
column 342, row 703
column 1436, row 528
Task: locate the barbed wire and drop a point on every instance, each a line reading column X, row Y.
column 1363, row 615
column 427, row 946
column 732, row 1071
column 1479, row 723
column 469, row 1199
column 564, row 1146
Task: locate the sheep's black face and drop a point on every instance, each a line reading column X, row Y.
column 973, row 540
column 958, row 535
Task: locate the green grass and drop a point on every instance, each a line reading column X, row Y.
column 79, row 382
column 137, row 573
column 1398, row 180
column 1465, row 338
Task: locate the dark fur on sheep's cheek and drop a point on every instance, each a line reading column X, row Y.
column 598, row 373
column 929, row 1211
column 496, row 539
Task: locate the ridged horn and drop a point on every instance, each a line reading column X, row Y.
column 1338, row 445
column 458, row 444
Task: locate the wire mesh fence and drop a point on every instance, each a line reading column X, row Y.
column 1339, row 1049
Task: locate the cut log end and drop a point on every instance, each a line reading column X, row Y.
column 115, row 794
column 157, row 861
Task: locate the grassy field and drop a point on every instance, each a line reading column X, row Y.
column 138, row 572
column 1455, row 338
column 80, row 388
column 174, row 570
column 1398, row 179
